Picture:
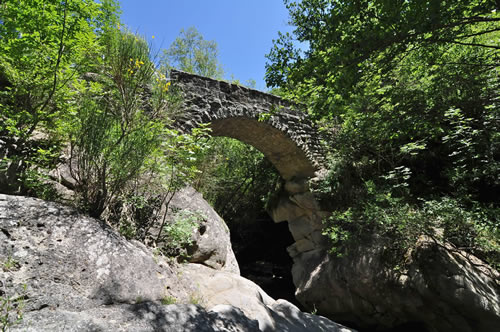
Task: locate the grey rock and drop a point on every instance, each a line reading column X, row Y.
column 444, row 288
column 69, row 260
column 296, row 185
column 219, row 287
column 144, row 317
column 286, row 210
column 76, row 274
column 212, row 243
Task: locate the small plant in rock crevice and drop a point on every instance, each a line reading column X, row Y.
column 178, row 234
column 167, row 300
column 10, row 264
column 11, row 308
column 196, row 299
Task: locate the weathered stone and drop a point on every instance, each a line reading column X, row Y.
column 297, row 320
column 212, row 243
column 304, row 245
column 286, row 210
column 300, row 227
column 218, row 287
column 69, row 260
column 82, row 276
column 292, row 250
column 305, row 200
column 269, row 123
column 444, row 288
column 297, row 185
column 144, row 317
column 319, row 240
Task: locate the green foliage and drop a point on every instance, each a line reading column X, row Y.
column 237, row 180
column 144, row 202
column 10, row 264
column 12, row 309
column 167, row 300
column 193, row 54
column 44, row 47
column 178, row 233
column 116, row 124
column 407, row 92
column 196, row 299
column 393, row 218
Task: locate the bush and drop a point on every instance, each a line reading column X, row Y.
column 178, row 233
column 119, row 123
column 11, row 309
column 401, row 224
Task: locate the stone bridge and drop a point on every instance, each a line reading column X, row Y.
column 268, row 123
column 284, row 135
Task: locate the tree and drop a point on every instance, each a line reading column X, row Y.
column 348, row 41
column 44, row 47
column 409, row 91
column 190, row 52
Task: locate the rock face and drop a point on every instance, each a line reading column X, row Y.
column 221, row 287
column 74, row 273
column 444, row 289
column 211, row 241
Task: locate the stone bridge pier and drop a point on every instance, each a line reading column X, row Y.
column 282, row 133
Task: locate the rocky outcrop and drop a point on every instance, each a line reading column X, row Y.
column 442, row 288
column 74, row 273
column 211, row 240
column 219, row 287
column 211, row 243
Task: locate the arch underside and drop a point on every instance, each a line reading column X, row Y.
column 281, row 150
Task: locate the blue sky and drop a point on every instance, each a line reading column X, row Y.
column 243, row 29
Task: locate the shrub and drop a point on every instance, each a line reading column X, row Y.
column 179, row 232
column 11, row 309
column 444, row 219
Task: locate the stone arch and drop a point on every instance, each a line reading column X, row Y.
column 270, row 124
column 283, row 134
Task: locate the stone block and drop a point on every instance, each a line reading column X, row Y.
column 300, row 227
column 294, row 186
column 286, row 210
column 305, row 200
column 304, row 245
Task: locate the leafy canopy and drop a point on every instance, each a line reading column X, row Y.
column 408, row 92
column 190, row 52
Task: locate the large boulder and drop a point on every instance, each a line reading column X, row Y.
column 75, row 262
column 144, row 317
column 440, row 289
column 65, row 271
column 211, row 240
column 219, row 287
column 211, row 244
